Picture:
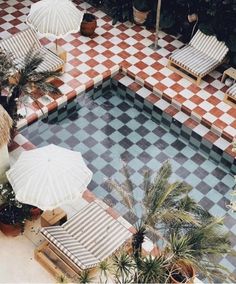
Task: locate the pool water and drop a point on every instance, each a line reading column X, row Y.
column 109, row 131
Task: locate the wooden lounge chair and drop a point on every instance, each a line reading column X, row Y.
column 82, row 242
column 197, row 59
column 230, row 96
column 25, row 41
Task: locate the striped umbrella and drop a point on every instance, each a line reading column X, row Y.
column 49, row 176
column 54, row 17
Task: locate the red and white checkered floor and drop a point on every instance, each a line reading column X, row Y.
column 126, row 45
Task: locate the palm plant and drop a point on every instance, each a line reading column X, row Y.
column 21, row 81
column 104, row 267
column 153, row 270
column 161, row 205
column 199, row 246
column 124, row 267
column 85, row 277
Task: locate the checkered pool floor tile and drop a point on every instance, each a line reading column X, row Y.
column 109, row 131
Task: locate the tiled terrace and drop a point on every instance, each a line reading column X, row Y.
column 126, row 46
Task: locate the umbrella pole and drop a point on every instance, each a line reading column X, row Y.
column 155, row 46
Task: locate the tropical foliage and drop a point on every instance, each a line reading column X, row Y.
column 184, row 230
column 22, row 82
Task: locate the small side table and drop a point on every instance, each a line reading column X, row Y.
column 230, row 72
column 54, row 217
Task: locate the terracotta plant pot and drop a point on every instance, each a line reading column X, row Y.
column 11, row 230
column 88, row 25
column 183, row 269
column 139, row 17
column 35, row 213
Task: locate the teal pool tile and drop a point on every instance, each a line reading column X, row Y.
column 192, row 180
column 135, row 150
column 133, row 124
column 196, row 194
column 154, row 164
column 120, row 208
column 214, row 195
column 211, row 180
column 47, row 134
column 151, row 137
column 190, row 165
column 137, row 178
column 116, row 124
column 138, row 210
column 99, row 163
column 217, row 211
column 169, row 138
column 134, row 136
column 153, row 151
column 99, row 136
column 188, row 151
column 99, row 122
column 171, row 151
column 116, row 136
column 63, row 135
column 138, row 194
column 100, row 192
column 99, row 149
column 137, row 164
column 150, row 125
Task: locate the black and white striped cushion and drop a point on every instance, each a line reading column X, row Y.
column 193, row 60
column 92, row 229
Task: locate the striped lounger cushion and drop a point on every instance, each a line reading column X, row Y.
column 202, row 54
column 232, row 91
column 25, row 41
column 88, row 237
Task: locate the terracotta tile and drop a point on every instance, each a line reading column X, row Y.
column 140, row 55
column 171, row 110
column 206, row 123
column 213, row 100
column 123, row 54
column 108, row 63
column 177, row 87
column 227, row 136
column 157, row 66
column 175, row 77
column 123, row 36
column 134, row 87
column 210, row 89
column 190, row 123
column 194, row 88
column 232, row 112
column 32, row 118
column 160, row 86
column 92, row 63
column 139, row 45
column 158, row 76
column 92, row 53
column 196, row 99
column 141, row 65
column 179, row 98
column 122, row 45
column 75, row 72
column 88, row 196
column 92, row 73
column 216, row 112
column 152, row 98
column 220, row 124
column 112, row 212
column 108, row 54
column 28, row 146
column 198, row 110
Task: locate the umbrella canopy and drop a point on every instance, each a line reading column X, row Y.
column 48, row 177
column 54, row 17
column 5, row 126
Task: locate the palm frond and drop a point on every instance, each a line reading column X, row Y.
column 129, row 185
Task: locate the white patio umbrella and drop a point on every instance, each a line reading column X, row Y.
column 49, row 176
column 54, row 17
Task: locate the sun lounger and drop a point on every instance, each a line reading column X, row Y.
column 202, row 55
column 21, row 43
column 230, row 95
column 86, row 239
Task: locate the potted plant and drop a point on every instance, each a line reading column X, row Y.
column 88, row 24
column 141, row 9
column 13, row 214
column 190, row 237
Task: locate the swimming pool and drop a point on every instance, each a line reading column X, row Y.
column 109, row 131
